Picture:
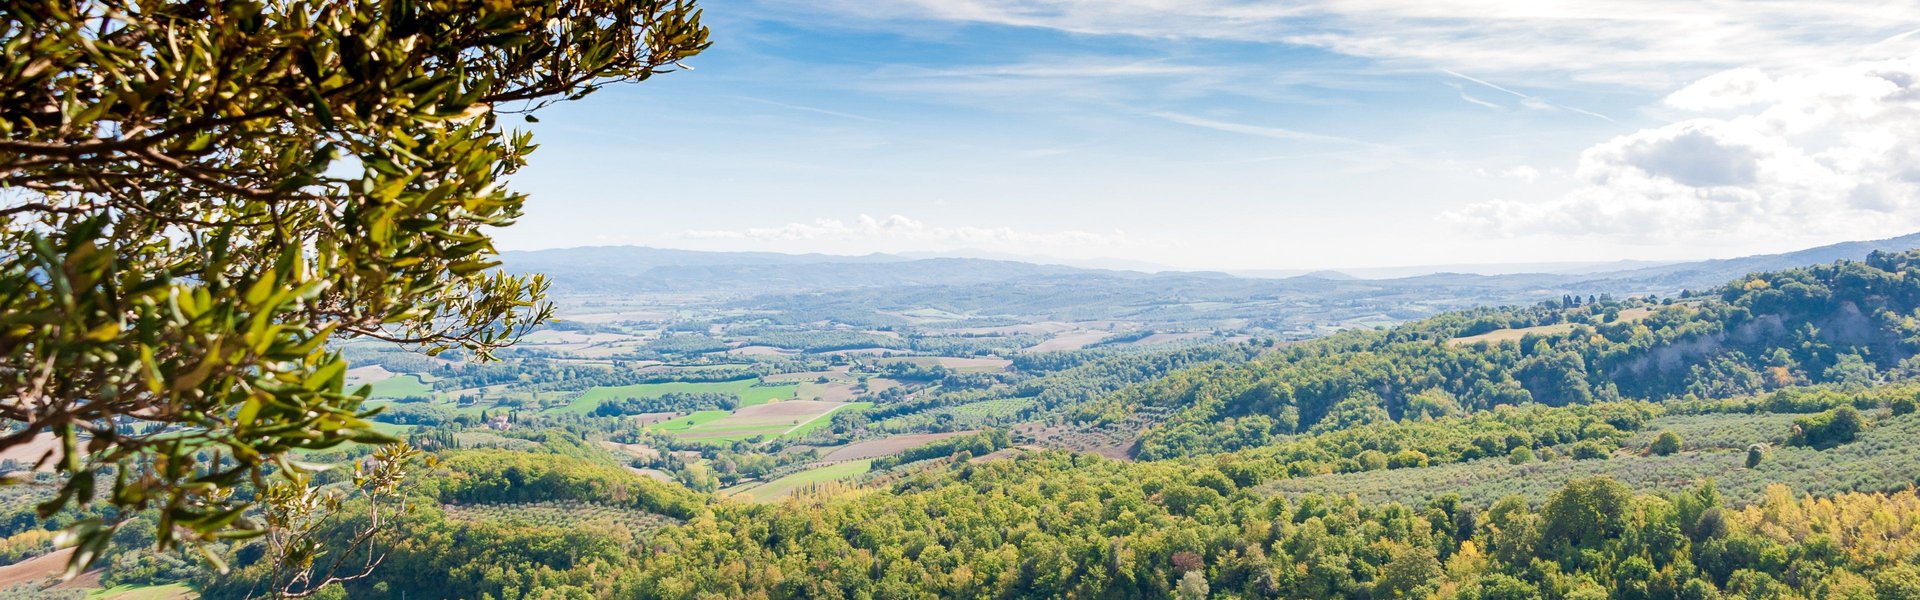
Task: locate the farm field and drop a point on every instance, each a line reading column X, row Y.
column 887, row 446
column 142, row 592
column 749, row 392
column 788, row 417
column 835, row 391
column 1511, row 335
column 963, row 364
column 27, row 453
column 34, row 569
column 1069, row 341
column 780, row 488
column 401, row 386
column 368, row 374
column 805, row 376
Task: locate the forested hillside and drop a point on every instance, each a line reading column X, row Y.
column 1848, row 322
column 1751, row 441
column 1058, row 524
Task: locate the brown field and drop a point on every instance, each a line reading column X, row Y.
column 772, row 418
column 1112, row 442
column 30, row 452
column 1512, row 335
column 639, row 451
column 654, row 474
column 886, row 446
column 35, row 569
column 784, row 409
column 1636, row 314
column 1069, row 341
column 367, row 375
column 827, row 392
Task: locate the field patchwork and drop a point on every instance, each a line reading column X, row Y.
column 773, row 419
column 750, row 391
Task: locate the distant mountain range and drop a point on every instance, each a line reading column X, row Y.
column 616, row 269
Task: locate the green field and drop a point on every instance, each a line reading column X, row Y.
column 720, row 426
column 401, row 386
column 747, row 389
column 682, row 424
column 774, row 490
column 826, row 419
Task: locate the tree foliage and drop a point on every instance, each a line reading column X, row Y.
column 199, row 195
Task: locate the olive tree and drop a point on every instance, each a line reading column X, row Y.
column 199, row 195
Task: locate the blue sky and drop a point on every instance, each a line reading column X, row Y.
column 1246, row 135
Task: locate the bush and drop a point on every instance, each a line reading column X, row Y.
column 1828, row 429
column 1667, row 443
column 1520, row 455
column 1589, row 450
column 1903, row 406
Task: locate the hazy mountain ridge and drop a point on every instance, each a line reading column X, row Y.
column 615, row 269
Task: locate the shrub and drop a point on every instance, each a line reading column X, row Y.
column 1667, row 443
column 1589, row 450
column 1903, row 406
column 1828, row 429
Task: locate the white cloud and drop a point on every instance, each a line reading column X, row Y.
column 1736, row 88
column 899, row 232
column 1817, row 153
column 1647, row 43
column 1520, row 173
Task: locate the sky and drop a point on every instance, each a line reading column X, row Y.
column 1223, row 134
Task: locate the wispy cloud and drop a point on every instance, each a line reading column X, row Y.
column 1527, row 100
column 1470, row 99
column 1258, row 130
column 1645, row 43
column 810, row 109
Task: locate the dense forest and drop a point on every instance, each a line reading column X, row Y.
column 1059, row 524
column 1847, row 323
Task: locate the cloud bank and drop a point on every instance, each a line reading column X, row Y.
column 1827, row 152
